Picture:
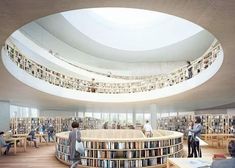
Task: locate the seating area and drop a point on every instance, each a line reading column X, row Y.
column 20, row 142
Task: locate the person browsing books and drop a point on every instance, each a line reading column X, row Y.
column 148, row 130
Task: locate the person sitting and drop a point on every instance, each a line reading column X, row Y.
column 148, row 130
column 4, row 144
column 32, row 137
column 226, row 163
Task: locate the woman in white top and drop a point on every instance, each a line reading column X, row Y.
column 148, row 130
column 190, row 151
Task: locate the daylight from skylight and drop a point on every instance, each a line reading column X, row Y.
column 131, row 29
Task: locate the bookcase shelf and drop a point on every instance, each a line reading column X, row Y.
column 212, row 123
column 123, row 148
column 24, row 125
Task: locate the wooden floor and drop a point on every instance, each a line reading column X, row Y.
column 44, row 157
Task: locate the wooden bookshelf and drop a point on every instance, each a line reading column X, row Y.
column 123, row 148
column 24, row 125
column 212, row 123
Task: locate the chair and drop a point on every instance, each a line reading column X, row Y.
column 2, row 150
column 218, row 140
column 214, row 139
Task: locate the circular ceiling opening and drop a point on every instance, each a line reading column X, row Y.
column 131, row 29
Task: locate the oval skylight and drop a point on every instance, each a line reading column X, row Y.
column 131, row 29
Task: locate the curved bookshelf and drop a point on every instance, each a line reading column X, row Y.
column 144, row 85
column 123, row 148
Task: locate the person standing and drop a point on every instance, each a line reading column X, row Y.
column 148, row 130
column 74, row 135
column 196, row 133
column 118, row 125
column 190, row 70
column 190, row 126
column 105, row 126
column 50, row 132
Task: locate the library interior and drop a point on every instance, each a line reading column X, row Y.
column 117, row 84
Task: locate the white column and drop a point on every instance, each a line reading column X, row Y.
column 153, row 111
column 4, row 116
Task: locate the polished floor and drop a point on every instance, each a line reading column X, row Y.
column 44, row 157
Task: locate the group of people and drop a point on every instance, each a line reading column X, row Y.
column 31, row 137
column 194, row 132
column 115, row 125
column 41, row 130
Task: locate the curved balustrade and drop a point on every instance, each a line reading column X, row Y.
column 144, row 85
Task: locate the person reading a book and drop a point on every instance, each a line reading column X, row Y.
column 226, row 163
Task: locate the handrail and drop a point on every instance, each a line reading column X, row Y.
column 148, row 84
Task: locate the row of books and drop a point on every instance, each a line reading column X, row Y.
column 132, row 153
column 123, row 163
column 131, row 145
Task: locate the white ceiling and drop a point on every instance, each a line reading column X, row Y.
column 187, row 49
column 213, row 15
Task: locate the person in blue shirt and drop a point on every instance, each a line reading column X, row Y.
column 4, row 144
column 226, row 163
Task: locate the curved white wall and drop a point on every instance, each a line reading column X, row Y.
column 98, row 97
column 43, row 57
column 48, row 41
